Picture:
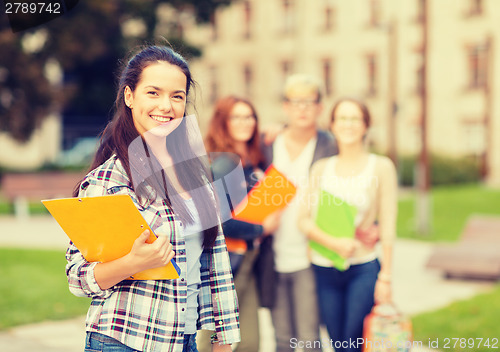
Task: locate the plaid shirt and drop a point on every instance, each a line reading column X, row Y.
column 150, row 315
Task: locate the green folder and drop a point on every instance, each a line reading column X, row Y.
column 335, row 217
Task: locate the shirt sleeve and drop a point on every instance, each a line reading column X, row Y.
column 242, row 230
column 224, row 299
column 218, row 303
column 79, row 271
column 223, row 165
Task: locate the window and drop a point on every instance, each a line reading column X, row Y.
column 247, row 20
column 327, row 76
column 214, row 27
column 288, row 9
column 286, row 69
column 475, row 7
column 247, row 79
column 371, row 69
column 328, row 17
column 421, row 4
column 213, row 85
column 374, row 14
column 477, row 64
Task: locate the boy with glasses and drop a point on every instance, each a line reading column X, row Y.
column 295, row 149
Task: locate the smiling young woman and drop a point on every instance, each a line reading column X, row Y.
column 233, row 137
column 145, row 153
column 159, row 100
column 367, row 183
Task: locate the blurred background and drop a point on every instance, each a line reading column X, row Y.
column 426, row 68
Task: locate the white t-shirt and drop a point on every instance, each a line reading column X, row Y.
column 290, row 244
column 193, row 235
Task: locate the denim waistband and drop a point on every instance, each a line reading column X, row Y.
column 370, row 257
column 188, row 338
column 100, row 337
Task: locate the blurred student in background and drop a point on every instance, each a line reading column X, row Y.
column 293, row 151
column 367, row 182
column 233, row 138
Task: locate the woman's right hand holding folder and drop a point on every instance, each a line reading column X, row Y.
column 345, row 247
column 272, row 222
column 151, row 255
column 142, row 256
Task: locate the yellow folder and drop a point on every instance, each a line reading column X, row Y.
column 104, row 228
column 273, row 192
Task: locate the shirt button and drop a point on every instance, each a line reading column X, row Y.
column 220, row 322
column 183, row 309
column 182, row 279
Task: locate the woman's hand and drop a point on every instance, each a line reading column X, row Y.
column 345, row 247
column 383, row 292
column 146, row 255
column 368, row 236
column 270, row 132
column 272, row 222
column 142, row 256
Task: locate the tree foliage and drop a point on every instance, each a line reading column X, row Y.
column 87, row 42
column 25, row 94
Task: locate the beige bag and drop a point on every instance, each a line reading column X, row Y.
column 386, row 329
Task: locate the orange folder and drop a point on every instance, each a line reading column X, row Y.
column 104, row 228
column 273, row 192
column 236, row 245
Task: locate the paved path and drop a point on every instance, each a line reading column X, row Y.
column 416, row 289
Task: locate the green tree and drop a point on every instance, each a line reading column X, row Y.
column 87, row 42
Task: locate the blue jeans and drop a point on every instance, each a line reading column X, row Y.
column 190, row 343
column 345, row 298
column 96, row 342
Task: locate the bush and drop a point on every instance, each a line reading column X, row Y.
column 444, row 170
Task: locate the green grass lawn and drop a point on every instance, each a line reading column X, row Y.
column 468, row 321
column 33, row 288
column 451, row 206
column 35, row 208
column 5, row 208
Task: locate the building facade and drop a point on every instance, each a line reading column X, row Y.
column 371, row 49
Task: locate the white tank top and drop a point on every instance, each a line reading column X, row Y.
column 354, row 190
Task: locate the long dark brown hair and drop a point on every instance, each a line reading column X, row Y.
column 120, row 133
column 218, row 138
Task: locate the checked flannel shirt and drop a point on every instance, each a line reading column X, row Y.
column 150, row 315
